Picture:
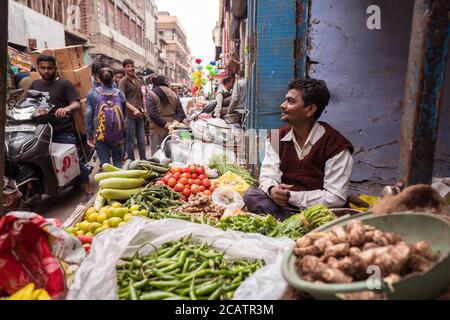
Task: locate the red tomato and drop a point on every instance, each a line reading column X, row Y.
column 165, row 179
column 183, row 198
column 212, row 188
column 172, row 182
column 186, row 192
column 202, row 177
column 191, row 181
column 160, row 183
column 207, row 192
column 206, row 183
column 194, row 176
column 198, row 181
column 200, row 170
column 195, row 189
column 186, row 175
column 183, row 181
column 186, row 170
column 180, row 170
column 177, row 176
column 173, row 169
column 202, row 188
column 193, row 168
column 179, row 187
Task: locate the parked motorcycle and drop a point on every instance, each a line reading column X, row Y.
column 34, row 165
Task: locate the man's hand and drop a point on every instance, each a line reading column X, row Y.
column 280, row 194
column 62, row 112
column 91, row 143
column 137, row 113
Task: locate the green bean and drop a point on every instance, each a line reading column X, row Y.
column 156, row 295
column 191, row 290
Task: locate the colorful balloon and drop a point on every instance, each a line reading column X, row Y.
column 198, row 61
column 199, row 67
column 212, row 73
column 213, row 63
column 209, row 67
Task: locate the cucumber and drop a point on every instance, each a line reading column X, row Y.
column 133, row 164
column 109, row 168
column 126, row 165
column 117, row 194
column 120, row 174
column 121, row 183
column 166, row 162
column 159, row 169
column 153, row 159
column 99, row 201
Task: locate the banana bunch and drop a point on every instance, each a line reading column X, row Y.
column 29, row 292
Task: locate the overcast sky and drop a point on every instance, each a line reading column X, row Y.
column 198, row 18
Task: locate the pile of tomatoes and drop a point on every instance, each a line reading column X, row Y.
column 188, row 180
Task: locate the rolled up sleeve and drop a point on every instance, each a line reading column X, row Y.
column 270, row 175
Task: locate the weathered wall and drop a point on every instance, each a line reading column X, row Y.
column 365, row 71
column 24, row 24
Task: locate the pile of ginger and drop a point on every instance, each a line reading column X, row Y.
column 344, row 255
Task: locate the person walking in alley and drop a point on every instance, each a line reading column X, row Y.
column 223, row 97
column 163, row 106
column 64, row 97
column 309, row 162
column 118, row 75
column 131, row 87
column 105, row 123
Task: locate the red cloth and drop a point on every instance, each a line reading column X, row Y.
column 308, row 174
column 25, row 256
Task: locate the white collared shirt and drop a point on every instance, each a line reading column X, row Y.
column 337, row 173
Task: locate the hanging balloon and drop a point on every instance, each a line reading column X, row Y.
column 198, row 61
column 197, row 74
column 199, row 67
column 193, row 77
column 213, row 63
column 212, row 73
column 209, row 67
column 204, row 81
column 216, row 71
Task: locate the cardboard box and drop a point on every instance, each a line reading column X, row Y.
column 65, row 161
column 69, row 58
column 80, row 78
column 79, row 118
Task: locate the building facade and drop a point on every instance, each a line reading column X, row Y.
column 178, row 53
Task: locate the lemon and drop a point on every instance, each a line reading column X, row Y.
column 106, row 223
column 127, row 217
column 94, row 225
column 90, row 210
column 116, row 205
column 103, row 228
column 109, row 212
column 104, row 209
column 135, row 213
column 78, row 225
column 90, row 234
column 114, row 222
column 121, row 224
column 136, row 207
column 101, row 217
column 71, row 230
column 144, row 212
column 93, row 217
column 85, row 226
column 80, row 233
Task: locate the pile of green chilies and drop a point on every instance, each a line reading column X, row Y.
column 262, row 224
column 158, row 200
column 182, row 270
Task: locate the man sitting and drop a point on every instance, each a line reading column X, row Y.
column 309, row 163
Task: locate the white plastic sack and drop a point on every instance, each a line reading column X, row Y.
column 228, row 198
column 96, row 278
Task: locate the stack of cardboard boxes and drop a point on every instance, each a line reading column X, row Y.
column 71, row 67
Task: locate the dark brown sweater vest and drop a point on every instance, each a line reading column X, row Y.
column 308, row 174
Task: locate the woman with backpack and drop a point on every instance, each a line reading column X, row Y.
column 105, row 111
column 164, row 106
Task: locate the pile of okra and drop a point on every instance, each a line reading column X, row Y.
column 182, row 270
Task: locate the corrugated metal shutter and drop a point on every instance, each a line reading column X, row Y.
column 276, row 33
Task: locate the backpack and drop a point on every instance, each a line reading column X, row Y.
column 109, row 124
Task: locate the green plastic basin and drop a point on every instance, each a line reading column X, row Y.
column 412, row 227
